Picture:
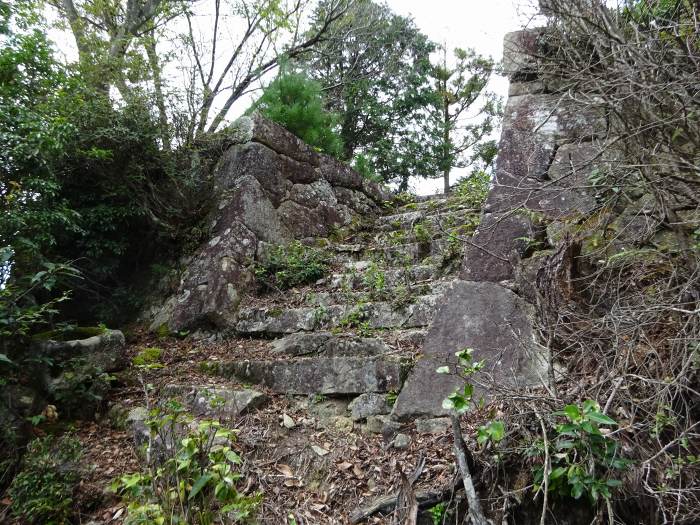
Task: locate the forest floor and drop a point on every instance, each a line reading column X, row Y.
column 356, row 467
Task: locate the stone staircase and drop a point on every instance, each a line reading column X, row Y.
column 307, row 374
column 357, row 330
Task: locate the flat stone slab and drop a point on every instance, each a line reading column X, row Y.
column 410, row 252
column 340, row 375
column 492, row 320
column 329, row 345
column 210, row 401
column 404, row 221
column 354, row 279
column 370, row 404
column 272, row 321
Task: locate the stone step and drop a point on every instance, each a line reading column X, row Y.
column 357, row 277
column 426, row 201
column 215, row 400
column 431, row 219
column 273, row 321
column 320, row 375
column 410, row 253
column 364, row 294
column 326, row 344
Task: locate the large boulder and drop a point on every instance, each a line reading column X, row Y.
column 105, row 351
column 72, row 373
column 268, row 189
column 497, row 324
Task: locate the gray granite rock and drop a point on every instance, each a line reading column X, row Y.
column 213, row 401
column 369, row 404
column 341, row 375
column 401, row 441
column 105, row 351
column 382, row 425
column 493, row 321
column 269, row 190
column 437, row 425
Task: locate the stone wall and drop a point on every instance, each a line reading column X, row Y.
column 548, row 148
column 269, row 188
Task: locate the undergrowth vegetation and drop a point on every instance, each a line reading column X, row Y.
column 290, row 265
column 192, row 474
column 44, row 489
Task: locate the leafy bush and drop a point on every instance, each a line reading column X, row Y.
column 296, row 102
column 194, row 481
column 43, row 490
column 374, row 278
column 583, row 457
column 422, row 233
column 292, row 265
column 21, row 314
column 472, row 190
column 461, row 399
column 362, row 165
column 437, row 513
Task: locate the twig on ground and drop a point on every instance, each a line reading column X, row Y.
column 460, row 450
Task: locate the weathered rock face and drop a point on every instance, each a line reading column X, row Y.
column 492, row 320
column 270, row 189
column 548, row 150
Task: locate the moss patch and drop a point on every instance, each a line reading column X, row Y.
column 70, row 334
column 148, row 356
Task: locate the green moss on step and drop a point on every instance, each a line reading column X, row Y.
column 70, row 334
column 148, row 356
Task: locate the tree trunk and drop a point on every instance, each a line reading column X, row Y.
column 447, row 161
column 150, row 45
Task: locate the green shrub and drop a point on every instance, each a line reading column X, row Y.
column 422, row 233
column 195, row 481
column 296, row 102
column 43, row 490
column 437, row 513
column 472, row 190
column 292, row 265
column 404, row 198
column 374, row 278
column 362, row 166
column 583, row 457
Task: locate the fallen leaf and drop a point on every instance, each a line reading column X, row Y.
column 287, row 421
column 292, row 483
column 118, row 514
column 344, row 465
column 285, row 469
column 319, row 450
column 358, row 471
